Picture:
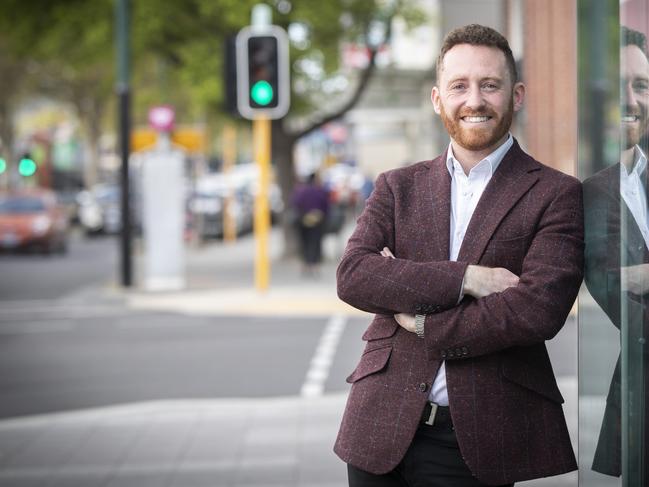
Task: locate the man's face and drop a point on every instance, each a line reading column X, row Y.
column 635, row 95
column 475, row 97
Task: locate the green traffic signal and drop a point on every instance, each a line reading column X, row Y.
column 27, row 167
column 262, row 93
column 3, row 166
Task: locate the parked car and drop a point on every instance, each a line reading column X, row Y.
column 100, row 209
column 206, row 204
column 33, row 219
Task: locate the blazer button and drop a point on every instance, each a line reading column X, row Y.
column 451, row 354
column 465, row 351
column 423, row 387
column 443, row 354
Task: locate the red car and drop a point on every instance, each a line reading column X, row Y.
column 33, row 219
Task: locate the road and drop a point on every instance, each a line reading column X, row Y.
column 31, row 276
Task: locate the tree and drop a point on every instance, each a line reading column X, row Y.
column 178, row 56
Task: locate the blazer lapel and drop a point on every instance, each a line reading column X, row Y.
column 513, row 178
column 435, row 186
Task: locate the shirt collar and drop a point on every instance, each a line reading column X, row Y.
column 639, row 165
column 492, row 161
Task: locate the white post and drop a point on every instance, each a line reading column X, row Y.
column 163, row 202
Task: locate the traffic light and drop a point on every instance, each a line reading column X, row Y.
column 27, row 166
column 3, row 166
column 262, row 72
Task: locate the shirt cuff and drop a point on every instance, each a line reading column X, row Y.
column 461, row 291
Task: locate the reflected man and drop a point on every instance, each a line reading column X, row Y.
column 617, row 255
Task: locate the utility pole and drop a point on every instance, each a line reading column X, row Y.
column 124, row 93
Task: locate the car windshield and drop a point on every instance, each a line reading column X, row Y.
column 21, row 204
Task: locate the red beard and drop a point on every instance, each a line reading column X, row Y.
column 477, row 139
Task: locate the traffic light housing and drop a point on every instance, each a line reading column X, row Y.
column 262, row 72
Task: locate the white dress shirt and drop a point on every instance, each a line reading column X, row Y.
column 466, row 191
column 633, row 191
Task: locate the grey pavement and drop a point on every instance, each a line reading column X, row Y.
column 279, row 441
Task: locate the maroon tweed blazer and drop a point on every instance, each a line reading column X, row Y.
column 504, row 399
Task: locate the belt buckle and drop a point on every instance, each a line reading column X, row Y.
column 433, row 412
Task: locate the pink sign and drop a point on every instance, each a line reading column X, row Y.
column 161, row 118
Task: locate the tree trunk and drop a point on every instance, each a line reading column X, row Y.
column 282, row 148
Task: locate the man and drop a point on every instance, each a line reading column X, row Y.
column 470, row 262
column 615, row 191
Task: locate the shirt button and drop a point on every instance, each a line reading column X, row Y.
column 423, row 387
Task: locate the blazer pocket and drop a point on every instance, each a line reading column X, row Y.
column 540, row 381
column 371, row 362
column 382, row 326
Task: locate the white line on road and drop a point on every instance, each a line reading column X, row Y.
column 323, row 358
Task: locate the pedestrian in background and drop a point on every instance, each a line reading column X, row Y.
column 310, row 202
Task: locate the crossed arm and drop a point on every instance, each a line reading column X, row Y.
column 503, row 310
column 478, row 282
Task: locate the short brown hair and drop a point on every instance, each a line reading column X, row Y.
column 478, row 35
column 630, row 37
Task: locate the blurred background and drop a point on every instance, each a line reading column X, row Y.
column 151, row 352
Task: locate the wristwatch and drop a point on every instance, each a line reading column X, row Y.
column 419, row 325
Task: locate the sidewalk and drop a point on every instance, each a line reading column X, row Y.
column 221, row 282
column 269, row 442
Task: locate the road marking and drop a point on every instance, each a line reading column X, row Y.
column 323, row 358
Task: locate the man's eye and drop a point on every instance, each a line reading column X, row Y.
column 490, row 86
column 457, row 86
column 641, row 86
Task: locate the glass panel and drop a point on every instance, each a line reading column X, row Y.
column 614, row 119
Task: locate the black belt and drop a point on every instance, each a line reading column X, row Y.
column 437, row 415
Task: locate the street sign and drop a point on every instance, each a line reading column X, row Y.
column 161, row 118
column 262, row 72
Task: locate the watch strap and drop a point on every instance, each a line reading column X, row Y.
column 419, row 325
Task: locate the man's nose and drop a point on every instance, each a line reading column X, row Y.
column 628, row 95
column 474, row 98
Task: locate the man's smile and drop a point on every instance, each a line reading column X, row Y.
column 480, row 119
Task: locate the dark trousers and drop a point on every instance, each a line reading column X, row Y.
column 311, row 238
column 433, row 460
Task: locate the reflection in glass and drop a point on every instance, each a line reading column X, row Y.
column 617, row 269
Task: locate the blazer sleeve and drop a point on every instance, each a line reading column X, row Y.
column 376, row 284
column 534, row 310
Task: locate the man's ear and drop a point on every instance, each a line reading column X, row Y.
column 519, row 96
column 435, row 98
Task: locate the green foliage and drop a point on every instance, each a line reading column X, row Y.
column 177, row 46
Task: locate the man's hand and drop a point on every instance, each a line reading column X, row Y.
column 407, row 321
column 386, row 252
column 482, row 281
column 635, row 279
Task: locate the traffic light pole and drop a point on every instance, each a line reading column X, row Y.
column 261, row 132
column 123, row 91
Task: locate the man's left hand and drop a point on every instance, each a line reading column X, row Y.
column 406, row 320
